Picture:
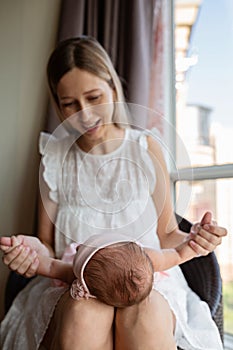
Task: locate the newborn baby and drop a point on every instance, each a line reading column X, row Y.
column 110, row 267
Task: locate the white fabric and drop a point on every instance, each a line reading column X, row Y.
column 108, row 193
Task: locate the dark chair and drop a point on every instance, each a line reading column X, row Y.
column 202, row 274
column 203, row 277
column 15, row 284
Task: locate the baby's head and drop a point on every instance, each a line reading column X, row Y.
column 120, row 275
column 116, row 271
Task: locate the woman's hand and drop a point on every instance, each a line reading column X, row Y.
column 206, row 235
column 21, row 253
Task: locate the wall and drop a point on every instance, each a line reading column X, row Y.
column 27, row 35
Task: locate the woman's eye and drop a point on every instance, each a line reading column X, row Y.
column 68, row 104
column 93, row 98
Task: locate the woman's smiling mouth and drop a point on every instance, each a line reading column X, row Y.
column 91, row 127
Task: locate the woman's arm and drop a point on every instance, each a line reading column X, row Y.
column 47, row 212
column 206, row 235
column 169, row 234
column 22, row 258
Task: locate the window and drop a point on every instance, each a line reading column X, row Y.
column 204, row 123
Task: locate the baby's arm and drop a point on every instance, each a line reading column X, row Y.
column 165, row 258
column 55, row 268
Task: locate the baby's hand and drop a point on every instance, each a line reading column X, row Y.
column 187, row 250
column 21, row 253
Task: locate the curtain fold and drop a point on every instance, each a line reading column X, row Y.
column 126, row 31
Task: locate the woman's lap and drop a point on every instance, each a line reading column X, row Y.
column 40, row 303
column 140, row 324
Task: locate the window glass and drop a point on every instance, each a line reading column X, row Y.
column 204, row 80
column 204, row 120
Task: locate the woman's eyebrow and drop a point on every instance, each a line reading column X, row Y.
column 65, row 97
column 84, row 93
column 90, row 91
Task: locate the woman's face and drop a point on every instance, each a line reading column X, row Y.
column 89, row 99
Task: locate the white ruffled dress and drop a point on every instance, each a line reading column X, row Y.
column 103, row 194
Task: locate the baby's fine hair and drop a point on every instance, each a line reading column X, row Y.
column 120, row 275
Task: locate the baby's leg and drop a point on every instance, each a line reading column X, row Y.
column 148, row 325
column 79, row 325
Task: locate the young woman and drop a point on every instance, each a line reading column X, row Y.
column 104, row 176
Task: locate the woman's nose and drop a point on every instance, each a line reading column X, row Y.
column 85, row 113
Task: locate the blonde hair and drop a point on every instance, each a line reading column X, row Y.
column 120, row 275
column 86, row 53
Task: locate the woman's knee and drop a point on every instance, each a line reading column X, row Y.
column 83, row 324
column 88, row 317
column 154, row 307
column 150, row 323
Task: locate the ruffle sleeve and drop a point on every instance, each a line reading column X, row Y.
column 49, row 149
column 154, row 133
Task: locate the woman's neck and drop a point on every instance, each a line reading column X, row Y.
column 108, row 141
